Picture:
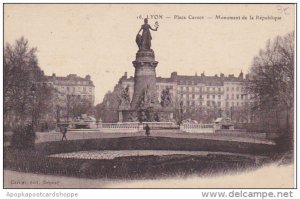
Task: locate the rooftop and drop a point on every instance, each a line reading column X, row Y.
column 216, row 80
column 71, row 79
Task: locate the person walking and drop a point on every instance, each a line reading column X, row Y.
column 64, row 132
column 147, row 130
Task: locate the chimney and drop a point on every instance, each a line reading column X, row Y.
column 125, row 75
column 222, row 75
column 202, row 74
column 88, row 77
column 173, row 75
column 241, row 76
column 53, row 74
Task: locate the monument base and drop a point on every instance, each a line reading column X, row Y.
column 148, row 115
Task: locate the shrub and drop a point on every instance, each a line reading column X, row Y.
column 23, row 137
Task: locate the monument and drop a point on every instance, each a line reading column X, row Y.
column 144, row 105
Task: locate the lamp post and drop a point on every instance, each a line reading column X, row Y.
column 33, row 92
column 57, row 115
column 70, row 100
column 68, row 107
column 231, row 113
column 181, row 111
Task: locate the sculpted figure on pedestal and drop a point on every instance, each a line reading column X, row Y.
column 144, row 41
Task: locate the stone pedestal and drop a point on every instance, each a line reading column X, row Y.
column 123, row 112
column 145, row 105
column 120, row 116
column 145, row 80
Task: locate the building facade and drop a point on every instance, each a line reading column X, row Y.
column 72, row 86
column 219, row 91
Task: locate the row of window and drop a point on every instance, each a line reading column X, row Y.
column 193, row 89
column 213, row 96
column 237, row 104
column 212, row 103
column 73, row 88
column 237, row 96
column 233, row 96
column 218, row 103
column 193, row 96
column 75, row 96
column 72, row 82
column 238, row 88
column 208, row 89
column 187, row 88
column 208, row 103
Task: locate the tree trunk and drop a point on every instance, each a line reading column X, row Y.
column 289, row 133
column 277, row 120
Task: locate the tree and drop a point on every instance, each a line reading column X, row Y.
column 111, row 103
column 272, row 78
column 99, row 111
column 44, row 104
column 78, row 106
column 21, row 71
column 27, row 97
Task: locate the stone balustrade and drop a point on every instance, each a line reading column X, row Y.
column 126, row 127
column 161, row 125
column 134, row 127
column 197, row 128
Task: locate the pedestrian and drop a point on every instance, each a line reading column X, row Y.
column 147, row 130
column 64, row 132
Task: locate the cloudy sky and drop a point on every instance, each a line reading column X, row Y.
column 99, row 39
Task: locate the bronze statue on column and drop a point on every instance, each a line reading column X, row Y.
column 144, row 41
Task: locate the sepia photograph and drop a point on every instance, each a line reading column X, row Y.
column 100, row 96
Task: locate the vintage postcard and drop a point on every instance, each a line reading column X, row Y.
column 149, row 96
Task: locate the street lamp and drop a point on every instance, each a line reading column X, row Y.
column 181, row 111
column 70, row 99
column 231, row 113
column 33, row 93
column 68, row 107
column 57, row 114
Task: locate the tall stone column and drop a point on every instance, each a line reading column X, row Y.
column 145, row 79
